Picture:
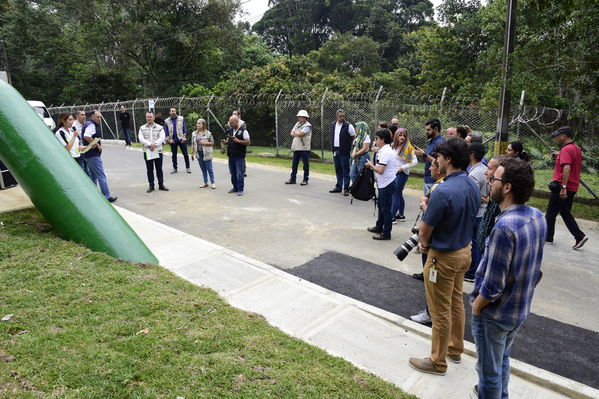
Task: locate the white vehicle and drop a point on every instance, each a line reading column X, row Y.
column 43, row 113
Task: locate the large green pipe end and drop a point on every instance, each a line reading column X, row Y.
column 58, row 187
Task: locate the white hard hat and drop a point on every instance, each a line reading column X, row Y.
column 303, row 113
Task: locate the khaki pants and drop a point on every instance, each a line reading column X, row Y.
column 445, row 302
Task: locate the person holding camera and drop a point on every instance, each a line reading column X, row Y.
column 384, row 172
column 445, row 234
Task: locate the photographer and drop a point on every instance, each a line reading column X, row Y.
column 445, row 235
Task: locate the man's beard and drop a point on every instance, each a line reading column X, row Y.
column 497, row 196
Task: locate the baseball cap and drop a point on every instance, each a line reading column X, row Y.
column 567, row 130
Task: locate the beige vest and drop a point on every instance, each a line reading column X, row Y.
column 169, row 124
column 301, row 143
column 197, row 138
column 151, row 134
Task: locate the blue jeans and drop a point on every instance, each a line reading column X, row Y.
column 384, row 221
column 305, row 157
column 206, row 167
column 341, row 170
column 493, row 346
column 399, row 204
column 236, row 170
column 127, row 135
column 357, row 165
column 96, row 173
column 476, row 255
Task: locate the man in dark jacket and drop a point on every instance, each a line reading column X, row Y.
column 342, row 136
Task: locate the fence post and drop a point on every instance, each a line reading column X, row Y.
column 101, row 126
column 116, row 125
column 322, row 124
column 441, row 104
column 520, row 106
column 376, row 104
column 208, row 112
column 179, row 106
column 277, row 123
column 133, row 115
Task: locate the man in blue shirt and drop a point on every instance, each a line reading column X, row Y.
column 445, row 235
column 506, row 276
column 433, row 132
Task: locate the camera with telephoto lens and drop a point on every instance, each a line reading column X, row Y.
column 406, row 247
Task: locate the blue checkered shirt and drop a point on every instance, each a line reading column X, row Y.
column 510, row 266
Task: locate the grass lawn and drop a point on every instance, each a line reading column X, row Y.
column 86, row 325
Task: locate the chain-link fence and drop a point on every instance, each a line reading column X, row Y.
column 270, row 118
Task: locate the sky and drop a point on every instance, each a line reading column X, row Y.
column 255, row 9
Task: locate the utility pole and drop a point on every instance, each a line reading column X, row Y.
column 503, row 117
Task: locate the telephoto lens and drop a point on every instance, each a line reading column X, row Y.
column 406, row 247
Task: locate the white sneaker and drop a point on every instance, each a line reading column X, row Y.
column 422, row 318
column 213, row 186
column 204, row 185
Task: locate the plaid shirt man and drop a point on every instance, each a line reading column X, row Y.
column 511, row 264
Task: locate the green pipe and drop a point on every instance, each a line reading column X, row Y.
column 58, row 187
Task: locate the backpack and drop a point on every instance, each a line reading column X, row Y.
column 363, row 187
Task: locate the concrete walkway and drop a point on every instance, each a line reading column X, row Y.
column 370, row 338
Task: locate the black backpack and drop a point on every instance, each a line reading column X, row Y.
column 363, row 187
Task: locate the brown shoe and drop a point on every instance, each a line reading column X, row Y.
column 425, row 365
column 457, row 359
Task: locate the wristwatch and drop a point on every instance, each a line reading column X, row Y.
column 563, row 186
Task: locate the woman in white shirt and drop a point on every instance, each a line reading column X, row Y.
column 405, row 159
column 69, row 137
column 202, row 144
column 384, row 171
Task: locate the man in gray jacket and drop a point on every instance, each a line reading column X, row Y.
column 302, row 134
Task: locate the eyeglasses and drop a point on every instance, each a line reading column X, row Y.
column 493, row 179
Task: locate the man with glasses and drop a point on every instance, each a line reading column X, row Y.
column 433, row 133
column 506, row 276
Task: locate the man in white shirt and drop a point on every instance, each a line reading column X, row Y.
column 151, row 136
column 342, row 136
column 384, row 172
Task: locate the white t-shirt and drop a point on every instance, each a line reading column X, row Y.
column 69, row 135
column 351, row 130
column 78, row 126
column 386, row 156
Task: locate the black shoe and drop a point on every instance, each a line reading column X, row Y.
column 418, row 276
column 469, row 279
column 111, row 199
column 162, row 187
column 304, row 183
column 290, row 182
column 174, row 171
column 400, row 218
column 188, row 170
column 346, row 192
column 245, row 175
column 381, row 237
column 476, row 390
column 335, row 190
column 374, row 230
column 150, row 190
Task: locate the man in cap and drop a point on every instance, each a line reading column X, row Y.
column 301, row 133
column 566, row 178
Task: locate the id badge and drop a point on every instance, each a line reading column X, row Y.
column 432, row 277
